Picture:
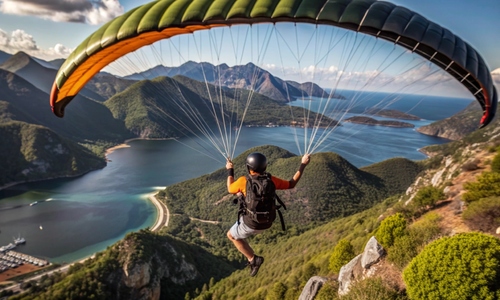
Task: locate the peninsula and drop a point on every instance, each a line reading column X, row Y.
column 373, row 122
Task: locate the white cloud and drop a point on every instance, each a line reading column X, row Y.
column 424, row 78
column 80, row 11
column 19, row 40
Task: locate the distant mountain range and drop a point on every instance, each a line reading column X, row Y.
column 247, row 76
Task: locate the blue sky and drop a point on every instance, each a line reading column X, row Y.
column 52, row 29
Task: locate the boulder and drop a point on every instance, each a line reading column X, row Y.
column 372, row 253
column 359, row 267
column 312, row 287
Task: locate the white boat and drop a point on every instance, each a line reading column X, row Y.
column 19, row 240
column 34, row 203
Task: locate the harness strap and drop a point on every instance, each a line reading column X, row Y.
column 281, row 220
column 242, row 210
column 280, row 202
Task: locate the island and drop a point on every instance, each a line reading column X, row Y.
column 373, row 122
column 392, row 113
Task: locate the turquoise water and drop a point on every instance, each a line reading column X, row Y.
column 76, row 217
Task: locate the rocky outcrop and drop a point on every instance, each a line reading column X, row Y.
column 312, row 287
column 360, row 267
column 141, row 277
column 455, row 127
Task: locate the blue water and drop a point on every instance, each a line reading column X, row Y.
column 80, row 216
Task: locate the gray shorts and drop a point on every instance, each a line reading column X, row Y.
column 242, row 231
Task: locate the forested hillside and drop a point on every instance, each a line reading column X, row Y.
column 31, row 152
column 170, row 107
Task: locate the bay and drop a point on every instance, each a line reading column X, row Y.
column 76, row 217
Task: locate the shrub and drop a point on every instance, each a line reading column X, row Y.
column 391, row 228
column 341, row 255
column 405, row 248
column 428, row 196
column 329, row 291
column 372, row 288
column 483, row 215
column 278, row 291
column 408, row 211
column 495, row 163
column 470, row 166
column 465, row 266
column 487, row 185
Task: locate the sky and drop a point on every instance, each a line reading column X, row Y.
column 51, row 29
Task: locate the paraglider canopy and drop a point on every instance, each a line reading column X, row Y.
column 163, row 19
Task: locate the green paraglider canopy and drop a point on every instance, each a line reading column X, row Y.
column 163, row 19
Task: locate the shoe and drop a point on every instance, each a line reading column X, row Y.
column 255, row 265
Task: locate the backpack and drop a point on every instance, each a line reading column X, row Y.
column 259, row 206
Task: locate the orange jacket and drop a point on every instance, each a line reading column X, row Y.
column 240, row 185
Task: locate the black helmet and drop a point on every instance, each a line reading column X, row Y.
column 256, row 162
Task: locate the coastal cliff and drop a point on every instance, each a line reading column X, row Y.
column 455, row 127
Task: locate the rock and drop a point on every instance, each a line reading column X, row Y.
column 136, row 276
column 346, row 275
column 359, row 267
column 312, row 287
column 372, row 254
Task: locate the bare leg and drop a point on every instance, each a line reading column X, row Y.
column 242, row 246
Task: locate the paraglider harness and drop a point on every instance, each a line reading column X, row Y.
column 259, row 207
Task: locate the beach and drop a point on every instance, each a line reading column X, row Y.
column 163, row 213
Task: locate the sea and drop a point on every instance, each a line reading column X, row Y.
column 68, row 219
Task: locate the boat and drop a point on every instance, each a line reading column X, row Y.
column 19, row 240
column 33, row 203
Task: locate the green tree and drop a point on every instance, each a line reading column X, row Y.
column 487, row 185
column 465, row 266
column 341, row 255
column 391, row 228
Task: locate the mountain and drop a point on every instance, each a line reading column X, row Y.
column 247, row 76
column 457, row 126
column 33, row 152
column 31, row 70
column 107, row 85
column 4, row 56
column 170, row 107
column 329, row 189
column 57, row 63
column 465, row 122
column 144, row 265
column 150, row 108
column 39, row 73
column 85, row 120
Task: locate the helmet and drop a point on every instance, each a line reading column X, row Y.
column 256, row 162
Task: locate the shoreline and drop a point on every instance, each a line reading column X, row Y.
column 106, row 153
column 163, row 215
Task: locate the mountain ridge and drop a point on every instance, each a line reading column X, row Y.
column 248, row 76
